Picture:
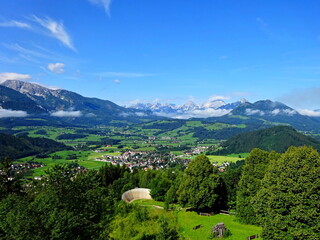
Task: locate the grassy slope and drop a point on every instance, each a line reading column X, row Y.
column 188, row 220
column 222, row 159
column 84, row 158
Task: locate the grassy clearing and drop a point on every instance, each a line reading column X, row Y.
column 217, row 126
column 222, row 159
column 243, row 155
column 146, row 202
column 188, row 220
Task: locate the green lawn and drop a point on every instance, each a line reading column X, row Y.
column 188, row 220
column 146, row 202
column 222, row 159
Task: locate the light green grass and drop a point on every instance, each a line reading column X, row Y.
column 243, row 155
column 113, row 153
column 194, row 124
column 84, row 158
column 222, row 159
column 188, row 220
column 146, row 202
column 238, row 116
column 217, row 126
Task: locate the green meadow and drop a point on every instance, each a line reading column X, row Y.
column 188, row 220
column 222, row 159
column 84, row 158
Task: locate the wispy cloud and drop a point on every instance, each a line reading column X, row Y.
column 218, row 97
column 310, row 113
column 30, row 54
column 117, row 81
column 102, row 3
column 124, row 74
column 57, row 68
column 264, row 27
column 14, row 76
column 14, row 23
column 205, row 113
column 5, row 113
column 56, row 30
column 66, row 114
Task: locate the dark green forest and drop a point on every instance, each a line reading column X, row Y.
column 21, row 146
column 278, row 138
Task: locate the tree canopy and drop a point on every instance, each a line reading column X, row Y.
column 288, row 201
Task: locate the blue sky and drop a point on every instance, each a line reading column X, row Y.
column 174, row 51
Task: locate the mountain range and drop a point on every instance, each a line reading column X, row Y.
column 216, row 107
column 19, row 98
column 33, row 101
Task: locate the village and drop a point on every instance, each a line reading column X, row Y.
column 145, row 160
column 153, row 159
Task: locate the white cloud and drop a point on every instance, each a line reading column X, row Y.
column 309, row 113
column 4, row 113
column 289, row 112
column 136, row 101
column 102, row 3
column 57, row 68
column 14, row 23
column 254, row 111
column 196, row 114
column 62, row 113
column 14, row 76
column 117, row 81
column 275, row 111
column 141, row 114
column 218, row 97
column 56, row 30
column 124, row 114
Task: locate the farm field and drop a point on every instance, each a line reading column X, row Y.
column 83, row 158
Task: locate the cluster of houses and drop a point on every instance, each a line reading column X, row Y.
column 25, row 167
column 145, row 159
column 197, row 150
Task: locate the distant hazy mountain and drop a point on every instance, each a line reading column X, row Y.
column 268, row 112
column 34, row 98
column 189, row 109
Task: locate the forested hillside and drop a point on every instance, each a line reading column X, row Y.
column 278, row 138
column 21, row 146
